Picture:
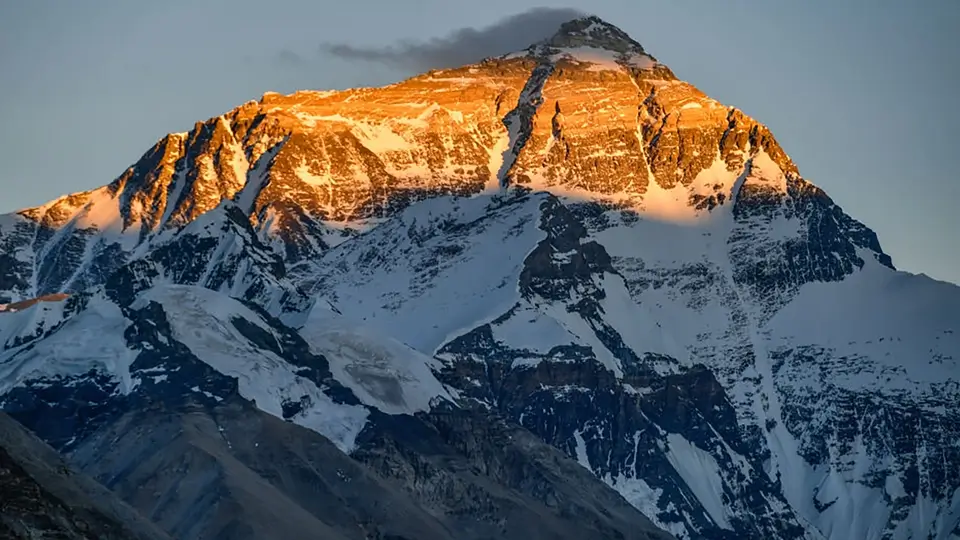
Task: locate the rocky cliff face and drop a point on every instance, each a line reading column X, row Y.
column 567, row 243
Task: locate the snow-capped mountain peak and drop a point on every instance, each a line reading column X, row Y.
column 567, row 237
column 592, row 31
column 593, row 43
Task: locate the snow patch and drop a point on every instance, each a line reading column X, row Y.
column 201, row 320
column 496, row 161
column 581, row 451
column 91, row 339
column 645, row 499
column 701, row 473
column 529, row 329
column 637, row 327
column 381, row 371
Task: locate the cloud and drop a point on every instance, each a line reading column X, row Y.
column 289, row 58
column 463, row 46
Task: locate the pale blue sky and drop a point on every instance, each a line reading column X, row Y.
column 861, row 93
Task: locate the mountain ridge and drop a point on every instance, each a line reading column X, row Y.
column 260, row 154
column 44, row 496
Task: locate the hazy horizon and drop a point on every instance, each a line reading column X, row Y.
column 860, row 95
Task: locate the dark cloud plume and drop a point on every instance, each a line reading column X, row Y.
column 289, row 58
column 463, row 46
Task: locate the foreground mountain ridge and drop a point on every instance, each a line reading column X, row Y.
column 592, row 249
column 44, row 497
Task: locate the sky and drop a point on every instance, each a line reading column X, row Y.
column 862, row 94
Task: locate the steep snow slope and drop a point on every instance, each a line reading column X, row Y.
column 456, row 260
column 645, row 300
column 96, row 339
column 824, row 377
column 220, row 251
column 868, row 391
column 165, row 394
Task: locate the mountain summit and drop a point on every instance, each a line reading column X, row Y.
column 559, row 287
column 592, row 31
column 592, row 43
column 596, row 121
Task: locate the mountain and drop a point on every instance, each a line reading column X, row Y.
column 507, row 293
column 216, row 420
column 44, row 497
